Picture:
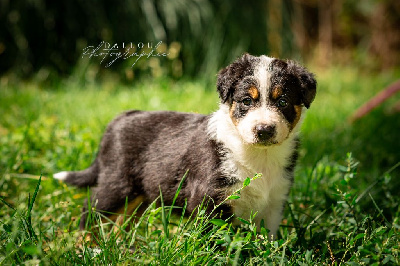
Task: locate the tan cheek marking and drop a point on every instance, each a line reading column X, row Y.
column 297, row 109
column 254, row 93
column 231, row 110
column 276, row 92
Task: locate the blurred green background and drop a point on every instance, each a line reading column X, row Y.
column 45, row 39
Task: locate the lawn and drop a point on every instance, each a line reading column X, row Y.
column 343, row 207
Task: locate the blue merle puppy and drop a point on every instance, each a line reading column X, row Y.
column 255, row 130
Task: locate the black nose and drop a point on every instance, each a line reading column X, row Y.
column 265, row 132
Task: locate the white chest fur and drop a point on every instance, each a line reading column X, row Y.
column 265, row 195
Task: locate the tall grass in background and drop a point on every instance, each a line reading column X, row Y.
column 48, row 38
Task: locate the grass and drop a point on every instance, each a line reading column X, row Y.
column 342, row 209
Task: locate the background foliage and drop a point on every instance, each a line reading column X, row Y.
column 48, row 37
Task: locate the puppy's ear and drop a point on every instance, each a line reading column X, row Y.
column 229, row 76
column 224, row 83
column 309, row 88
column 307, row 82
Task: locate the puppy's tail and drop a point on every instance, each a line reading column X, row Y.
column 84, row 178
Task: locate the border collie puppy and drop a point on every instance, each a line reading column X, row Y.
column 255, row 130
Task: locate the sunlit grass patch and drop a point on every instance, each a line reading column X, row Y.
column 343, row 206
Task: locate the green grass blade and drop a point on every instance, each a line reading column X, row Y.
column 164, row 217
column 28, row 218
column 177, row 192
column 34, row 195
column 7, row 204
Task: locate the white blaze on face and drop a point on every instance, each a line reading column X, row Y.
column 263, row 75
column 263, row 115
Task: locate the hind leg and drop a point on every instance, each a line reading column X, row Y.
column 108, row 198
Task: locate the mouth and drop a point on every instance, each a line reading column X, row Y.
column 265, row 144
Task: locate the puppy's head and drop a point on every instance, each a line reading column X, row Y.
column 265, row 97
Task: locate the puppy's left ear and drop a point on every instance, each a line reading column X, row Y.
column 309, row 88
column 229, row 76
column 307, row 82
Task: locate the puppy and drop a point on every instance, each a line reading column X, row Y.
column 255, row 130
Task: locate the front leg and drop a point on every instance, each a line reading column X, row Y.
column 273, row 221
column 273, row 212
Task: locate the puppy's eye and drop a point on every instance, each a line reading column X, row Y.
column 282, row 103
column 247, row 101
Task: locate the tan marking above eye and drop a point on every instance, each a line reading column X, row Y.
column 277, row 92
column 254, row 93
